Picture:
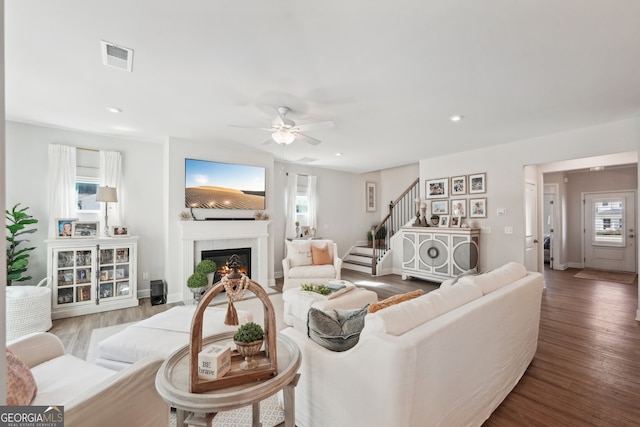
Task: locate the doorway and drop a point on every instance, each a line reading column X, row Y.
column 609, row 231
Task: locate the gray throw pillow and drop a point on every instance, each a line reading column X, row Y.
column 336, row 330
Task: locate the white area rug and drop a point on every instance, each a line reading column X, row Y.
column 271, row 414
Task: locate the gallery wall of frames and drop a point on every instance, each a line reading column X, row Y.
column 456, row 199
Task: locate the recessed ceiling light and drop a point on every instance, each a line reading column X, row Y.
column 455, row 118
column 114, row 110
column 338, row 154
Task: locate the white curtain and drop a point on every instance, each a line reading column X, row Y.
column 312, row 200
column 62, row 184
column 110, row 176
column 290, row 206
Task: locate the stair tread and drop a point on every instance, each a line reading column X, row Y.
column 356, row 263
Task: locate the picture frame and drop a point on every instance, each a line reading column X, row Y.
column 370, row 196
column 437, row 188
column 478, row 183
column 106, row 290
column 459, row 207
column 305, row 230
column 119, row 230
column 458, row 185
column 64, row 228
column 83, row 275
column 444, row 221
column 478, row 208
column 85, row 229
column 456, row 221
column 439, row 207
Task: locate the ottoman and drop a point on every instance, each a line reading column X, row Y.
column 298, row 302
column 161, row 335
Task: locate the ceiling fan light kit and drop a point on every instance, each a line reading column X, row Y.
column 283, row 137
column 284, row 131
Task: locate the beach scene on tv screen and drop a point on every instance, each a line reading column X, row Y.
column 214, row 185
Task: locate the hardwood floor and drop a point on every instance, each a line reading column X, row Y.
column 586, row 371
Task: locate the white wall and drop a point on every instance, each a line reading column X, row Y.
column 504, row 165
column 142, row 173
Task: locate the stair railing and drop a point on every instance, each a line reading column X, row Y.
column 401, row 211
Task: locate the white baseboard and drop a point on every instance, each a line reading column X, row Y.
column 574, row 265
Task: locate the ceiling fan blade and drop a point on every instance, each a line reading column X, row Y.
column 306, row 138
column 251, row 127
column 313, row 126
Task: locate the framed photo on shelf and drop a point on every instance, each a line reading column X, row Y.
column 85, row 229
column 371, row 196
column 455, row 222
column 478, row 208
column 119, row 230
column 64, row 227
column 458, row 185
column 444, row 221
column 305, row 230
column 437, row 188
column 459, row 207
column 478, row 183
column 106, row 290
column 439, row 207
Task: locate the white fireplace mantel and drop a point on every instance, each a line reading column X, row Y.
column 223, row 234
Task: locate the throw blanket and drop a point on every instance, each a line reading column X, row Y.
column 302, row 301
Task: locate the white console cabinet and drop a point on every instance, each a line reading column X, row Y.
column 92, row 275
column 437, row 254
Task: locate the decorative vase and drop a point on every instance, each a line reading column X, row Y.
column 297, row 231
column 248, row 350
column 211, row 276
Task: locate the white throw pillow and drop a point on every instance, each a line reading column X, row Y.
column 497, row 278
column 299, row 253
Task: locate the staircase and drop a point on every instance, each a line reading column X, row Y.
column 401, row 211
column 359, row 259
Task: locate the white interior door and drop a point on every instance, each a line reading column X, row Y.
column 548, row 234
column 531, row 226
column 609, row 235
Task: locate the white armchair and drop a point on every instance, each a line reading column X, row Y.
column 92, row 395
column 298, row 267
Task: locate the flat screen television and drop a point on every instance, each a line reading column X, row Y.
column 215, row 185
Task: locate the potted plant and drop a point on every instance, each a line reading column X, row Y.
column 435, row 219
column 208, row 268
column 298, row 229
column 248, row 339
column 18, row 258
column 198, row 284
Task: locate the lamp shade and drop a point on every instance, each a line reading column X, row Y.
column 283, row 136
column 106, row 194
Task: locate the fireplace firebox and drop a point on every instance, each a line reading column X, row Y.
column 221, row 256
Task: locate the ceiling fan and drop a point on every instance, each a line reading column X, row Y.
column 284, row 131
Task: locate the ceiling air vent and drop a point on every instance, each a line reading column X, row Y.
column 306, row 160
column 116, row 56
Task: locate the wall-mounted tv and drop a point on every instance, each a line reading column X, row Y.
column 215, row 185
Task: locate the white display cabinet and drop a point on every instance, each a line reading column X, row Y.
column 92, row 275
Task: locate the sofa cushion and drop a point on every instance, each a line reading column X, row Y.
column 335, row 330
column 453, row 281
column 395, row 299
column 497, row 278
column 320, row 256
column 403, row 317
column 80, row 376
column 312, row 271
column 299, row 253
column 21, row 386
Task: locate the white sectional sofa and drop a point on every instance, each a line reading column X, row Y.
column 447, row 358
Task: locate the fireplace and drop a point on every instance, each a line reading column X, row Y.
column 221, row 256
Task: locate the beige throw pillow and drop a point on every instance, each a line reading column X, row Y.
column 21, row 386
column 320, row 256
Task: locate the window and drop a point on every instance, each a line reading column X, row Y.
column 86, row 188
column 607, row 224
column 302, row 201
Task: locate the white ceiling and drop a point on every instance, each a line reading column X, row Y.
column 389, row 74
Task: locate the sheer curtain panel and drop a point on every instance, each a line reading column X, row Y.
column 290, row 208
column 110, row 176
column 312, row 197
column 62, row 182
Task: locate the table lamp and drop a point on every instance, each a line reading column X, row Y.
column 106, row 195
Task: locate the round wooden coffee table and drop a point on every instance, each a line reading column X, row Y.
column 172, row 383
